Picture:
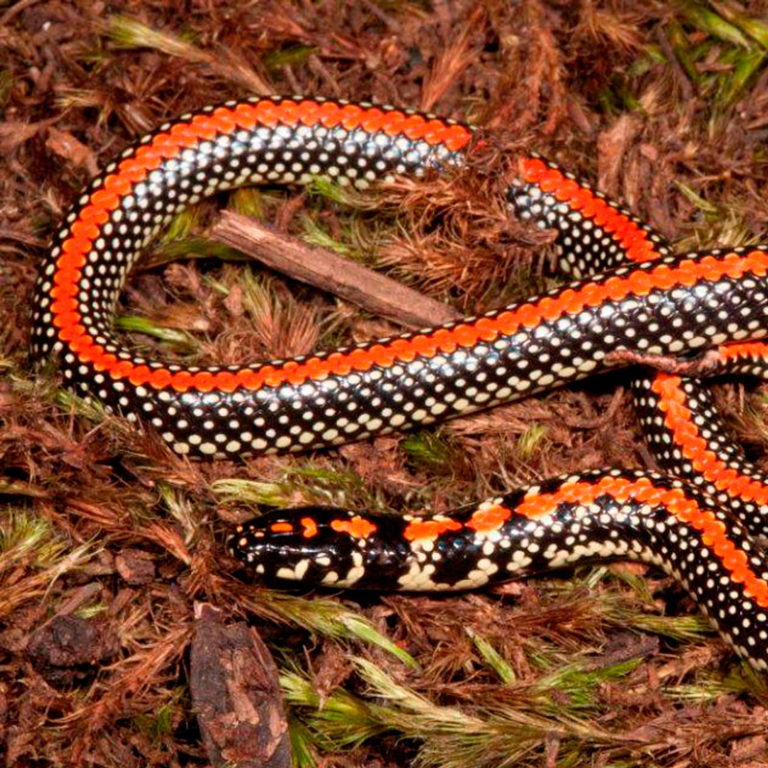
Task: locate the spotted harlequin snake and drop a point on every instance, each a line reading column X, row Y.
column 701, row 522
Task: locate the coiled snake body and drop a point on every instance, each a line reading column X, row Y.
column 701, row 521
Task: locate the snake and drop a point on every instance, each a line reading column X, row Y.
column 700, row 518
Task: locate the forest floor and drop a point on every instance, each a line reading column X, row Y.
column 106, row 535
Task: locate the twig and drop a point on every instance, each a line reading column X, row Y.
column 14, row 10
column 686, row 87
column 326, row 270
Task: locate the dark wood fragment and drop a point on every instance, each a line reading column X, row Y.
column 135, row 566
column 236, row 694
column 68, row 650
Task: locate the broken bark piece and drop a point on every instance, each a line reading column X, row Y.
column 236, row 694
column 330, row 272
column 135, row 567
column 68, row 641
column 68, row 650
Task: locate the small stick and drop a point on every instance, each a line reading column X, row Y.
column 330, row 272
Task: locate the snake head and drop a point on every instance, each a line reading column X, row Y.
column 314, row 545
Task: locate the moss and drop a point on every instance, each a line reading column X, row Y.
column 537, row 673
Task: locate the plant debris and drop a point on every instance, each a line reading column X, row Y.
column 236, row 694
column 108, row 542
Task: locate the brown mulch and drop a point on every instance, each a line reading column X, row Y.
column 97, row 615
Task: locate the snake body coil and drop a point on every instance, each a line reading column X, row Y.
column 634, row 296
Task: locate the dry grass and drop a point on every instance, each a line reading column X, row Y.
column 662, row 104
